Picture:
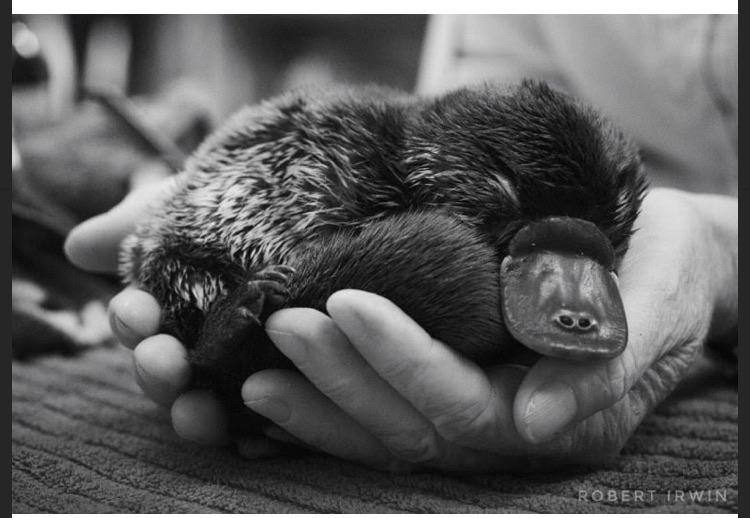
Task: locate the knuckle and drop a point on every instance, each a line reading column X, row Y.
column 420, row 446
column 600, row 389
column 590, row 443
column 619, row 379
column 465, row 421
column 407, row 372
column 413, row 371
column 341, row 389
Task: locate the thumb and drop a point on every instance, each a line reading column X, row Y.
column 94, row 244
column 556, row 394
column 662, row 293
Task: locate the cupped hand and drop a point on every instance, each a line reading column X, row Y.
column 375, row 388
column 161, row 367
column 379, row 390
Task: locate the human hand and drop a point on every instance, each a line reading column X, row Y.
column 163, row 371
column 161, row 367
column 378, row 390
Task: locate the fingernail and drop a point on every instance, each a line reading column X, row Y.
column 157, row 390
column 271, row 407
column 552, row 407
column 290, row 344
column 366, row 316
column 125, row 334
column 344, row 312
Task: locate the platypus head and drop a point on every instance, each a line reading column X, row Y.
column 579, row 182
column 559, row 186
column 559, row 291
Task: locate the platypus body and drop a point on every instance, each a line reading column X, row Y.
column 494, row 216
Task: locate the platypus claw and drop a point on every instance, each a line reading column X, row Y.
column 237, row 319
column 276, row 272
column 260, row 297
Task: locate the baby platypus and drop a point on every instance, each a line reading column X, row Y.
column 493, row 216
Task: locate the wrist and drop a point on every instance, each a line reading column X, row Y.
column 719, row 231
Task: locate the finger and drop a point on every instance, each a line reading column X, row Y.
column 161, row 368
column 198, row 416
column 94, row 244
column 324, row 355
column 291, row 402
column 453, row 393
column 133, row 316
column 299, row 408
column 557, row 394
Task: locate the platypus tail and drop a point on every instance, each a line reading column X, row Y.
column 435, row 268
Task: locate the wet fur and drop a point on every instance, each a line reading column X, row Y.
column 415, row 199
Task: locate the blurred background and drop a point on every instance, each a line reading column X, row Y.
column 235, row 59
column 103, row 104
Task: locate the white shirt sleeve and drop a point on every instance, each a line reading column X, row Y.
column 668, row 80
column 461, row 50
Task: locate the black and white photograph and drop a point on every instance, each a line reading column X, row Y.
column 374, row 263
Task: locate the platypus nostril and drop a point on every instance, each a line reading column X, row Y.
column 566, row 321
column 581, row 322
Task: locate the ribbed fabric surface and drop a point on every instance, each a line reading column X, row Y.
column 85, row 440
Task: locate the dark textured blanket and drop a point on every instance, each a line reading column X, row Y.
column 86, row 440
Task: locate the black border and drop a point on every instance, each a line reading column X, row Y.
column 742, row 326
